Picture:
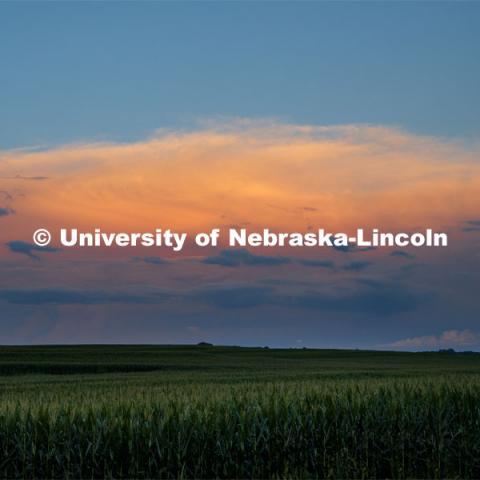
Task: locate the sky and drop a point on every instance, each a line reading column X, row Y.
column 291, row 116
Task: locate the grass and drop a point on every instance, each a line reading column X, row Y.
column 220, row 412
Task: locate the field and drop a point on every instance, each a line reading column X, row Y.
column 227, row 412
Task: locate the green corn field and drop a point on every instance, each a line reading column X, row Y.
column 218, row 412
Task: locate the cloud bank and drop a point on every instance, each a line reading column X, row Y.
column 447, row 339
column 285, row 177
column 258, row 175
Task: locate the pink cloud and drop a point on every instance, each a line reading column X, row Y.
column 449, row 338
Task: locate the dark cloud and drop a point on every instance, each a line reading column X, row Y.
column 5, row 211
column 316, row 263
column 402, row 254
column 152, row 260
column 21, row 177
column 351, row 248
column 237, row 257
column 471, row 226
column 24, row 248
column 65, row 297
column 236, row 296
column 356, row 266
column 375, row 298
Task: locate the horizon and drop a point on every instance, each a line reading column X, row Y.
column 206, row 344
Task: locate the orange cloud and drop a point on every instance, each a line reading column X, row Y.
column 284, row 177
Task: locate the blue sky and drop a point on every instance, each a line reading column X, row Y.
column 119, row 71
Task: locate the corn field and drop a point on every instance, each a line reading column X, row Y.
column 223, row 424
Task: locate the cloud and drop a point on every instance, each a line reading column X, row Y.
column 232, row 173
column 449, row 338
column 339, row 178
column 356, row 266
column 472, row 226
column 21, row 177
column 57, row 296
column 381, row 300
column 237, row 257
column 316, row 263
column 378, row 299
column 152, row 260
column 351, row 248
column 24, row 248
column 235, row 296
column 402, row 254
column 5, row 211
